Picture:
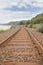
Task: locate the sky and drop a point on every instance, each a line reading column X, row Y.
column 16, row 10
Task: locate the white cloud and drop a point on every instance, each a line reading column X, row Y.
column 21, row 3
column 33, row 3
column 6, row 16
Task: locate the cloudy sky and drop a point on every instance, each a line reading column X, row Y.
column 12, row 10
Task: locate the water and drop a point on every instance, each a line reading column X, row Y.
column 4, row 27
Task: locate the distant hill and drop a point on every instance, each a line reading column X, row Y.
column 35, row 20
column 37, row 23
column 38, row 19
column 23, row 22
column 11, row 23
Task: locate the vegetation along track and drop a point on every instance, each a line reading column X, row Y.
column 20, row 50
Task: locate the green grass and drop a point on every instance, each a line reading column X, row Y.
column 2, row 31
column 41, row 29
column 42, row 63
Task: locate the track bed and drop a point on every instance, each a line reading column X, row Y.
column 20, row 50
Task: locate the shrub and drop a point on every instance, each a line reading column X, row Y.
column 31, row 25
column 41, row 29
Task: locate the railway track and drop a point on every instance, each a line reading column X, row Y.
column 20, row 49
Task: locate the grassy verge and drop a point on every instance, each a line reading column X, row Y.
column 2, row 31
column 37, row 27
column 41, row 29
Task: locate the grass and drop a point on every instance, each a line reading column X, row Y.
column 38, row 27
column 2, row 31
column 42, row 63
column 41, row 29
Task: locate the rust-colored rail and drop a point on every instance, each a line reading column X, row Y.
column 5, row 36
column 40, row 48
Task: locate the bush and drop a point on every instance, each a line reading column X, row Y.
column 21, row 23
column 31, row 25
column 40, row 29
